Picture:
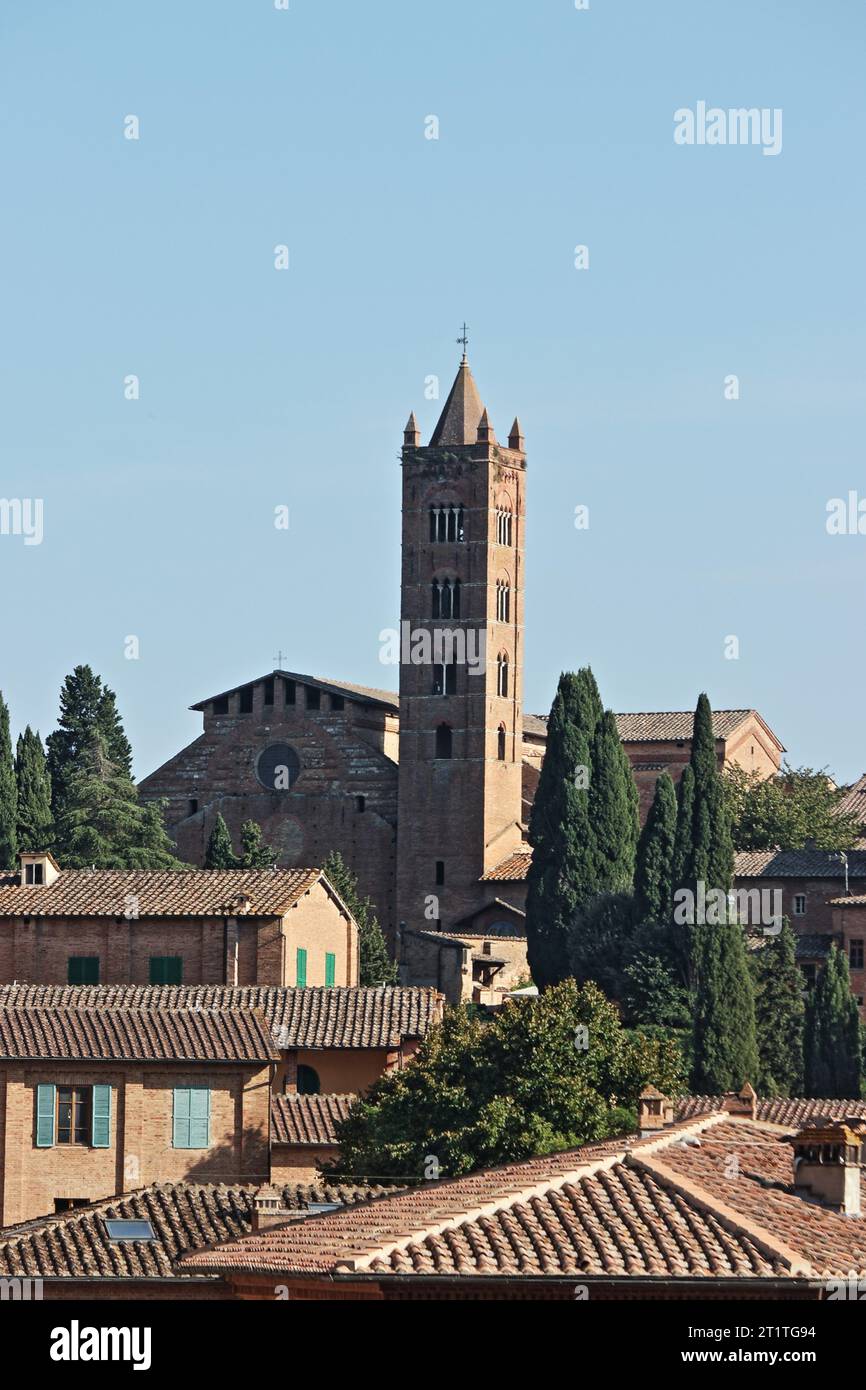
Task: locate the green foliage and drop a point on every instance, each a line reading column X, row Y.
column 799, row 804
column 652, row 991
column 583, row 824
column 102, row 823
column 35, row 822
column 220, row 852
column 600, row 941
column 8, row 795
column 779, row 1015
column 479, row 1094
column 653, row 878
column 88, row 715
column 376, row 966
column 833, row 1042
column 725, row 1051
column 255, row 854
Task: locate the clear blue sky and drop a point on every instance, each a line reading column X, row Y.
column 261, row 388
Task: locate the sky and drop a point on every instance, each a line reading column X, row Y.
column 260, row 388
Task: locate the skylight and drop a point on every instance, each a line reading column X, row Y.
column 129, row 1230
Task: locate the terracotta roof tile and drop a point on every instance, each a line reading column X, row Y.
column 145, row 1035
column 382, row 1017
column 512, row 869
column 185, row 893
column 299, row 1119
column 794, row 1111
column 797, row 863
column 364, row 694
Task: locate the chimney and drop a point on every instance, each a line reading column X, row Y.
column 743, row 1102
column 268, row 1209
column 827, row 1162
column 654, row 1111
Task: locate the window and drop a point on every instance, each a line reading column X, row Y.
column 446, row 523
column 34, row 873
column 337, row 702
column 330, row 968
column 503, row 600
column 799, row 904
column 500, row 743
column 191, row 1117
column 166, row 970
column 502, row 674
column 73, row 1115
column 278, row 767
column 444, row 741
column 82, row 970
column 446, row 598
column 503, row 526
column 193, row 805
column 300, row 967
column 308, row 1081
column 289, row 692
column 269, row 691
column 314, row 697
column 855, row 953
column 62, row 1204
column 246, row 700
column 440, row 872
column 118, row 1230
column 220, row 705
column 445, row 677
column 360, row 803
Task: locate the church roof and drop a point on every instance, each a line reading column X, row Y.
column 458, row 423
column 364, row 694
column 664, row 726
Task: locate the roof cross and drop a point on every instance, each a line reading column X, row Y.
column 464, row 340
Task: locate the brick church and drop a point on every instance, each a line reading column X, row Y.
column 426, row 794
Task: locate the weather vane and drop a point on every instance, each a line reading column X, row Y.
column 465, row 339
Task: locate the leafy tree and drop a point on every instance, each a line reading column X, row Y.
column 485, row 1093
column 833, row 1044
column 35, row 822
column 779, row 1015
column 784, row 812
column 102, row 823
column 255, row 854
column 220, row 852
column 8, row 794
column 376, row 966
column 653, row 879
column 88, row 712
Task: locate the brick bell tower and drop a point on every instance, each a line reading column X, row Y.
column 459, row 788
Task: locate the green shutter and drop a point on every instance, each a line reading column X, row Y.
column 100, row 1126
column 166, row 970
column 330, row 967
column 191, row 1117
column 83, row 970
column 301, row 968
column 45, row 1116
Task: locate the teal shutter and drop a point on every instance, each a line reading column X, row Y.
column 330, row 967
column 191, row 1120
column 166, row 970
column 301, row 967
column 100, row 1123
column 83, row 970
column 45, row 1116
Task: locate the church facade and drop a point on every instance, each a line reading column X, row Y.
column 426, row 794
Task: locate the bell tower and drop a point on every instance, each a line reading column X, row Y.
column 461, row 660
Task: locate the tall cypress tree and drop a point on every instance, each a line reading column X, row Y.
column 8, row 795
column 88, row 710
column 35, row 823
column 220, row 852
column 779, row 1015
column 833, row 1036
column 653, row 879
column 376, row 966
column 682, row 855
column 613, row 809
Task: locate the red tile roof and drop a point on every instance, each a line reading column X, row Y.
column 135, row 1035
column 185, row 893
column 793, row 1112
column 512, row 869
column 363, row 694
column 664, row 726
column 798, row 863
column 308, row 1119
column 382, row 1016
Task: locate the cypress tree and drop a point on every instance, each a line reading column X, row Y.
column 376, row 966
column 779, row 1016
column 833, row 1037
column 255, row 854
column 725, row 1051
column 88, row 711
column 653, row 881
column 8, row 795
column 219, row 853
column 35, row 824
column 682, row 855
column 613, row 809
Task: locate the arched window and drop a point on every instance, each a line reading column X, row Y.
column 444, row 741
column 446, row 598
column 502, row 674
column 446, row 522
column 503, row 525
column 436, row 606
column 503, row 600
column 500, row 743
column 308, row 1081
column 445, row 677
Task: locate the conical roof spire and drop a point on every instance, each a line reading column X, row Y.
column 458, row 423
column 515, row 436
column 412, row 434
column 485, row 429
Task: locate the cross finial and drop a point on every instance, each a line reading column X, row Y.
column 279, row 661
column 464, row 340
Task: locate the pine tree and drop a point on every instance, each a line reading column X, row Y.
column 833, row 1049
column 613, row 809
column 220, row 853
column 103, row 824
column 376, row 966
column 653, row 881
column 779, row 1015
column 255, row 854
column 8, row 795
column 88, row 710
column 35, row 823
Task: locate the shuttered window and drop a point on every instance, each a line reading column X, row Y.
column 191, row 1120
column 100, row 1136
column 45, row 1102
column 301, row 967
column 82, row 970
column 330, row 967
column 166, row 970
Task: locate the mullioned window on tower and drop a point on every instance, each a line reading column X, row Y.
column 446, row 598
column 503, row 526
column 445, row 677
column 503, row 601
column 446, row 523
